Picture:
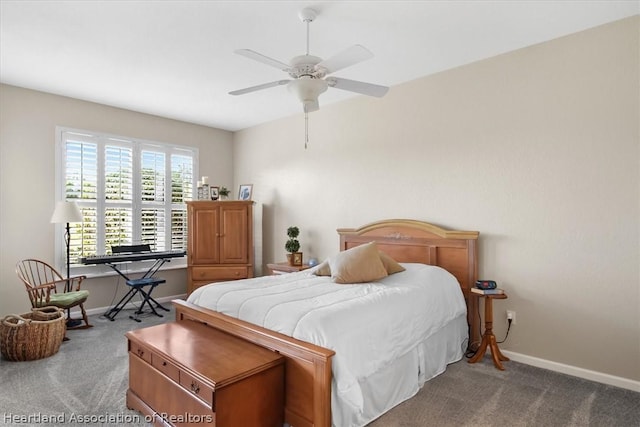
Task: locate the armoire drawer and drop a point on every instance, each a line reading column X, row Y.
column 219, row 273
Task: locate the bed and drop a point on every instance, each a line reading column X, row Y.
column 315, row 394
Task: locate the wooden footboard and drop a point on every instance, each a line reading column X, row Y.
column 307, row 367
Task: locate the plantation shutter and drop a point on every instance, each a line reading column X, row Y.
column 128, row 191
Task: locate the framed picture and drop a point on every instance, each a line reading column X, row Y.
column 215, row 193
column 244, row 193
column 297, row 258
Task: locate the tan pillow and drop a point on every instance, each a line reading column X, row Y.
column 357, row 265
column 390, row 264
column 323, row 269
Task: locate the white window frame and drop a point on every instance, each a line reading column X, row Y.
column 137, row 145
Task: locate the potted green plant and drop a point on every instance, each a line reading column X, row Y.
column 293, row 246
column 224, row 193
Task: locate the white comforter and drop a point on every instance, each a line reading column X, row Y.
column 367, row 325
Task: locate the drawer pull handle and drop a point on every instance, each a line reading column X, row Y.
column 140, row 352
column 164, row 363
column 195, row 388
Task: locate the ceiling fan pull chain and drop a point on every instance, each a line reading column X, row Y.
column 306, row 129
column 307, row 37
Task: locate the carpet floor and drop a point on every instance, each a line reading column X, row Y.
column 86, row 381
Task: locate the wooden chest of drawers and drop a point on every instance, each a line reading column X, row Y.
column 185, row 373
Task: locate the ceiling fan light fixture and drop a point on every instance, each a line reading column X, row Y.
column 308, row 89
column 308, row 72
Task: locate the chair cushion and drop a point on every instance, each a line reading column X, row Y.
column 68, row 299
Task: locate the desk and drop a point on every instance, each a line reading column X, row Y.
column 136, row 285
column 488, row 338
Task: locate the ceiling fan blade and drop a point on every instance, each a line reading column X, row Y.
column 259, row 87
column 346, row 58
column 248, row 53
column 356, row 86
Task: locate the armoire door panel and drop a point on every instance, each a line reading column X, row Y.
column 205, row 249
column 233, row 238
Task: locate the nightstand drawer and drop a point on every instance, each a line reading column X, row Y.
column 219, row 273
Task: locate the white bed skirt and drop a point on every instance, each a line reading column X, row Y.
column 402, row 379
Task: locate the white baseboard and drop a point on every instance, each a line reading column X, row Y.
column 101, row 310
column 574, row 371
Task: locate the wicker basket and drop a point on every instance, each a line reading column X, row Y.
column 32, row 336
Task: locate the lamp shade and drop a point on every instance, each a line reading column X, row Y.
column 66, row 212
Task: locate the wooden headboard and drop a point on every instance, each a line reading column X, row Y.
column 417, row 241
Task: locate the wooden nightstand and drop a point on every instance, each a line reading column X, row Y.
column 488, row 339
column 284, row 268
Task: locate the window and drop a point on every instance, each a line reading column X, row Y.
column 129, row 191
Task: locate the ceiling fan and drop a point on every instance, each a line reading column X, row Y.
column 309, row 73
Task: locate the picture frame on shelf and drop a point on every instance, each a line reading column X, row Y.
column 215, row 193
column 244, row 192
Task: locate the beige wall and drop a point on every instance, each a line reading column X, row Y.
column 537, row 149
column 27, row 177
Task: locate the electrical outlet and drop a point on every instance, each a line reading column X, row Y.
column 511, row 315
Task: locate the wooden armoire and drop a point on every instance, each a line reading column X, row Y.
column 220, row 242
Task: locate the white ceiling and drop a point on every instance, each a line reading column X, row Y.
column 175, row 58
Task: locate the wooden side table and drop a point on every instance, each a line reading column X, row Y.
column 284, row 268
column 488, row 338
